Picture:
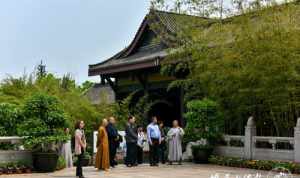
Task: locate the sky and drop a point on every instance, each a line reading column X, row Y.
column 67, row 35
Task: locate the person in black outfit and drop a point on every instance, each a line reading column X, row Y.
column 131, row 142
column 163, row 145
column 113, row 140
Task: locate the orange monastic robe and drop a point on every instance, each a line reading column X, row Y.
column 102, row 156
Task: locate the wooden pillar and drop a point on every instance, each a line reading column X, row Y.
column 102, row 80
column 143, row 79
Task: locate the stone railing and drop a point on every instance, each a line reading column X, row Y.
column 229, row 138
column 273, row 140
column 17, row 154
column 251, row 146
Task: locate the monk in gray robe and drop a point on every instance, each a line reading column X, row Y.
column 175, row 135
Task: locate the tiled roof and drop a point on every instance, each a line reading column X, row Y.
column 169, row 21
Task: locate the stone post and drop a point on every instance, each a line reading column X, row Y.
column 250, row 131
column 297, row 142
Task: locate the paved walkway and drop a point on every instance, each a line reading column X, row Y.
column 144, row 171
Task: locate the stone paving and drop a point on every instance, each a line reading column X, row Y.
column 144, row 171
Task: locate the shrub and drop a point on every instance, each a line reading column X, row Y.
column 9, row 117
column 61, row 163
column 15, row 168
column 44, row 122
column 203, row 121
column 255, row 164
column 86, row 155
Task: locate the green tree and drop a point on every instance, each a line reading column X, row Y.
column 16, row 90
column 249, row 64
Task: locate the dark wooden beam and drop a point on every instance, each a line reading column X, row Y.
column 113, row 69
column 111, row 83
column 102, row 80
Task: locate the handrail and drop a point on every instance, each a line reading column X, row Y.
column 274, row 139
column 11, row 139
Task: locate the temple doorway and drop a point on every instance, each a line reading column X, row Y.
column 165, row 112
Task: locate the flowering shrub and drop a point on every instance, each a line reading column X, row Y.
column 255, row 164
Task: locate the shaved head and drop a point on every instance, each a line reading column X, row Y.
column 112, row 120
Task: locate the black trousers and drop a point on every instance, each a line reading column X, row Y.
column 131, row 154
column 154, row 152
column 140, row 155
column 112, row 153
column 162, row 152
column 79, row 164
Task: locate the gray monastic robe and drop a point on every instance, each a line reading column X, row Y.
column 66, row 152
column 175, row 144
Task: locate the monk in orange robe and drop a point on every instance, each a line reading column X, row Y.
column 102, row 156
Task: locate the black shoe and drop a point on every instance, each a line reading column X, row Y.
column 81, row 177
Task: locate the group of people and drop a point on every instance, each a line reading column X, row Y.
column 107, row 143
column 158, row 139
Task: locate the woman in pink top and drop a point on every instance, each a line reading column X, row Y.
column 80, row 145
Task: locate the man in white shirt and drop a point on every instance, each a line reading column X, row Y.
column 154, row 139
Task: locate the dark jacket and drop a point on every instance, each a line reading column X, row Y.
column 112, row 134
column 163, row 132
column 131, row 133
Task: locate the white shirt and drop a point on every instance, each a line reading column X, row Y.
column 141, row 139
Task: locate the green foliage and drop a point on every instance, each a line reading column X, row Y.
column 70, row 96
column 15, row 167
column 7, row 146
column 249, row 64
column 255, row 164
column 121, row 111
column 9, row 118
column 61, row 163
column 44, row 122
column 86, row 155
column 258, row 74
column 203, row 121
column 141, row 109
column 46, row 109
column 86, row 85
column 137, row 104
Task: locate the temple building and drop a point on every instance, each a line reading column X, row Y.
column 137, row 67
